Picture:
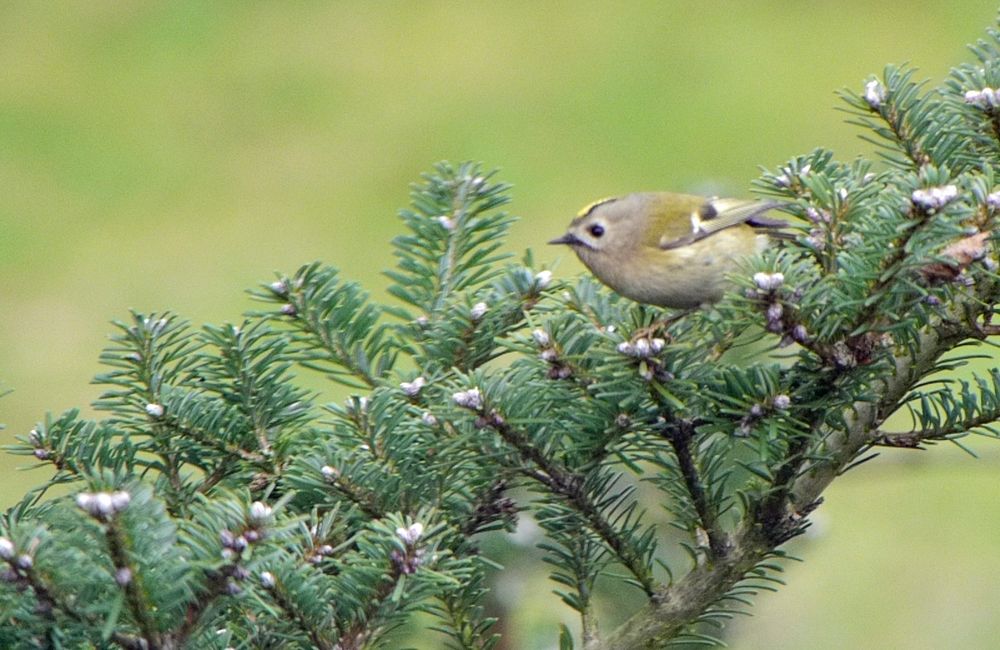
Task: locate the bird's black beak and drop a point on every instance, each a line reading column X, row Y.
column 569, row 239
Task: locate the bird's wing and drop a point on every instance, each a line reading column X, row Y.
column 718, row 214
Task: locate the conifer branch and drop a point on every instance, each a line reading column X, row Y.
column 360, row 632
column 890, row 269
column 569, row 486
column 680, row 436
column 363, row 499
column 489, row 507
column 676, row 606
column 903, row 440
column 863, row 420
column 49, row 604
column 233, row 451
column 900, row 129
column 914, row 439
column 316, row 637
column 335, row 350
column 135, row 594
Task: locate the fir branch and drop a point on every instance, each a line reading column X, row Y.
column 462, row 614
column 316, row 637
column 205, row 437
column 222, row 581
column 680, row 435
column 336, row 326
column 898, row 117
column 904, row 440
column 488, row 508
column 50, row 603
column 456, row 233
column 365, row 500
column 360, row 632
column 135, row 594
column 892, row 265
column 569, row 486
column 863, row 420
column 914, row 439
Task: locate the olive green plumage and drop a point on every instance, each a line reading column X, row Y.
column 661, row 248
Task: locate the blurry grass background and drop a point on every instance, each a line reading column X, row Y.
column 171, row 154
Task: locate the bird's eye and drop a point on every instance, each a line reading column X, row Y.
column 596, row 230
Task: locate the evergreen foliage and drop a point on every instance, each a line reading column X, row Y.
column 218, row 504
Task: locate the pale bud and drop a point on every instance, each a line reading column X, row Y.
column 103, row 504
column 471, row 399
column 123, row 576
column 478, row 311
column 120, row 500
column 875, row 93
column 974, row 97
column 259, row 512
column 768, row 281
column 543, row 279
column 412, row 388
column 411, row 534
column 6, row 549
column 933, row 198
column 85, row 501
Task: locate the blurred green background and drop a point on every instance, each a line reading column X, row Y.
column 171, row 154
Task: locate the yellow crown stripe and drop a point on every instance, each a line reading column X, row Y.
column 587, row 209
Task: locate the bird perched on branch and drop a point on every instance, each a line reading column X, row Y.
column 667, row 249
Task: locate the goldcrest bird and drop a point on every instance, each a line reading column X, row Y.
column 672, row 250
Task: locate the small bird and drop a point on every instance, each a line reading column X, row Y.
column 667, row 249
